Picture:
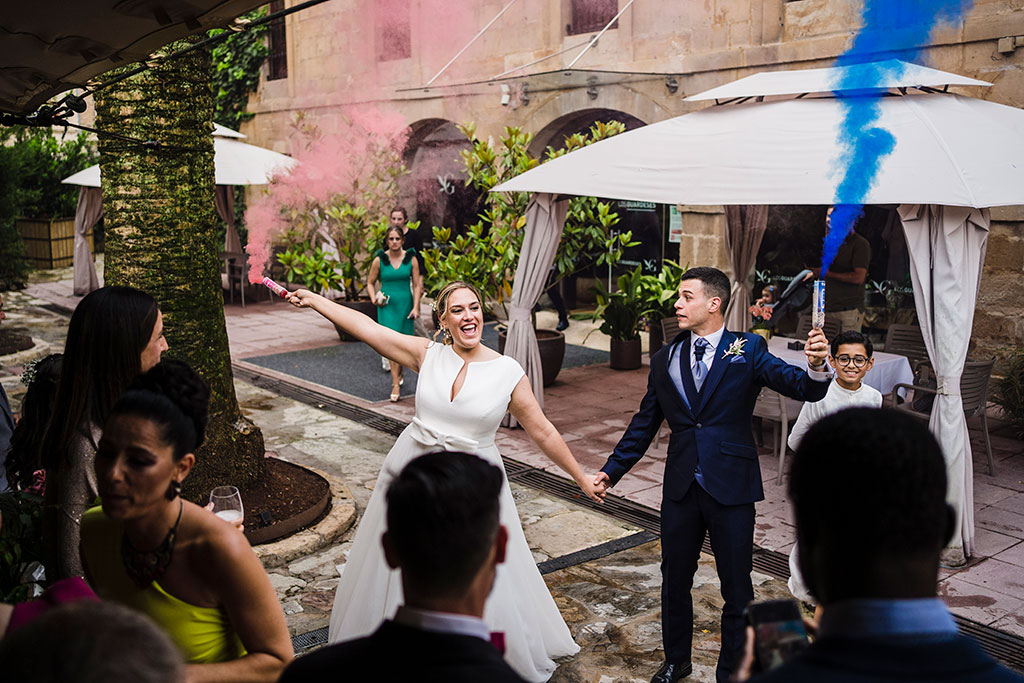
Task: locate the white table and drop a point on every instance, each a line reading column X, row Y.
column 889, row 370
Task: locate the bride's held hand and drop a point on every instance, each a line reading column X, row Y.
column 302, row 298
column 593, row 490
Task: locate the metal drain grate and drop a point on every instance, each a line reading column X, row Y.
column 304, row 641
column 596, row 552
column 1005, row 647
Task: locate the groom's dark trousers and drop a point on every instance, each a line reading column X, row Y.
column 711, row 436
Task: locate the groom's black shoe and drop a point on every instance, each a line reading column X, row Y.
column 670, row 673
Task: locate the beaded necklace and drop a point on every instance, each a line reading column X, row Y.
column 147, row 567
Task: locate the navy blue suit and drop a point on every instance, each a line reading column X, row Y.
column 6, row 430
column 710, row 430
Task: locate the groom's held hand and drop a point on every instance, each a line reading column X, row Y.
column 602, row 482
column 816, row 349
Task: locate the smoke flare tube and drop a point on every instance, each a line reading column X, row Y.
column 818, row 306
column 275, row 288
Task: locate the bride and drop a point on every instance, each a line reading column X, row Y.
column 463, row 391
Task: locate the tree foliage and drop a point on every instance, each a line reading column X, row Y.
column 42, row 160
column 487, row 254
column 13, row 266
column 236, row 70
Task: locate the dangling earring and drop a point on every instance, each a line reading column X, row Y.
column 174, row 490
column 447, row 335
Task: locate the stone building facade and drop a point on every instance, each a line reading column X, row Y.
column 385, row 52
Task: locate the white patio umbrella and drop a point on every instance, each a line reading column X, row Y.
column 235, row 163
column 951, row 151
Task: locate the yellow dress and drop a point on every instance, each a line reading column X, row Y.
column 203, row 634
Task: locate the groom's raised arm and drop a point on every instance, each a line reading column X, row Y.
column 789, row 380
column 637, row 437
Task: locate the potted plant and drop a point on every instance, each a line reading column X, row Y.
column 487, row 253
column 761, row 314
column 623, row 315
column 660, row 294
column 1009, row 391
column 332, row 208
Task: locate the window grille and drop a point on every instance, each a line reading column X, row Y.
column 277, row 60
column 589, row 16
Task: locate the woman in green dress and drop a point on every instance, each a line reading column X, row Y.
column 395, row 286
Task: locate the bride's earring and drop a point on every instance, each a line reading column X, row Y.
column 447, row 335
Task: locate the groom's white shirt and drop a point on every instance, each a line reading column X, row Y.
column 443, row 622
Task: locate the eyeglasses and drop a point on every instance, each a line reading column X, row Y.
column 858, row 361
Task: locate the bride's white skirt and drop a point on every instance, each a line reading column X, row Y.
column 520, row 605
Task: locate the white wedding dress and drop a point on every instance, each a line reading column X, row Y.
column 520, row 605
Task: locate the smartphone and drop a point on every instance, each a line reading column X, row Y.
column 779, row 632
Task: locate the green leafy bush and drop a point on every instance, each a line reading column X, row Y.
column 487, row 253
column 20, row 544
column 13, row 265
column 1009, row 391
column 622, row 313
column 43, row 160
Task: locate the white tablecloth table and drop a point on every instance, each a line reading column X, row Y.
column 889, row 370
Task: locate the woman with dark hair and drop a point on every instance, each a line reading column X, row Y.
column 24, row 459
column 115, row 334
column 398, row 298
column 176, row 562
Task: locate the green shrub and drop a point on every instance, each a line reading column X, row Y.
column 13, row 265
column 1009, row 391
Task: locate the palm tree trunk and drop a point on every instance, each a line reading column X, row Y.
column 160, row 220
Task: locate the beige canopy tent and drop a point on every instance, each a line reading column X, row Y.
column 53, row 45
column 235, row 163
column 955, row 156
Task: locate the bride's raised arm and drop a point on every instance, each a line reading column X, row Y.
column 403, row 348
column 527, row 411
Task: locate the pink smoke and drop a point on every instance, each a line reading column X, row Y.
column 332, row 157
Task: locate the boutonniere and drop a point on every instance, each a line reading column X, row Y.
column 735, row 349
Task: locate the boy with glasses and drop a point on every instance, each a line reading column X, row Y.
column 851, row 359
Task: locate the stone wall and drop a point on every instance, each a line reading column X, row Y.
column 999, row 317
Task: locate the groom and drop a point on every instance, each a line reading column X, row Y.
column 705, row 383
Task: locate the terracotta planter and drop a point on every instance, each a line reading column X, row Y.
column 552, row 352
column 363, row 306
column 625, row 355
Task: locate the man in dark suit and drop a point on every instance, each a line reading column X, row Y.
column 6, row 421
column 868, row 488
column 705, row 383
column 444, row 536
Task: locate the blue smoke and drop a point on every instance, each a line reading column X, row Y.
column 890, row 30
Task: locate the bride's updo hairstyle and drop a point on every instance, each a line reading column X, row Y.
column 441, row 304
column 173, row 397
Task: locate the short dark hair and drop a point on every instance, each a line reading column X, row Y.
column 852, row 337
column 716, row 283
column 174, row 397
column 405, row 214
column 97, row 642
column 442, row 519
column 868, row 484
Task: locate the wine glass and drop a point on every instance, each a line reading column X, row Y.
column 227, row 504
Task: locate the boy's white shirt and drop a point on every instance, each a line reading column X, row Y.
column 837, row 398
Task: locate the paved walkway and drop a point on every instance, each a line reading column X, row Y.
column 592, row 405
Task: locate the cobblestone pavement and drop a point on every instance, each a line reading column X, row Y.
column 590, row 406
column 612, row 604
